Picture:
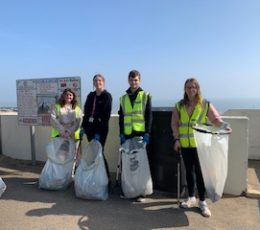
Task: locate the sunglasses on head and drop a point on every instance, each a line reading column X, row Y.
column 67, row 90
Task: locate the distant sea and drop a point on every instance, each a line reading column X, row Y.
column 221, row 105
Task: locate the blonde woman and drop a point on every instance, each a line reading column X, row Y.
column 192, row 109
column 97, row 111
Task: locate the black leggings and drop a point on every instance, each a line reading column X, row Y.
column 192, row 166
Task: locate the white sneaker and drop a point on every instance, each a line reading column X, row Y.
column 189, row 203
column 204, row 209
column 140, row 199
column 122, row 196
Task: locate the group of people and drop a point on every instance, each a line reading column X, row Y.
column 135, row 119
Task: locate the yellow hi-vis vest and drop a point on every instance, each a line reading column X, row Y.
column 199, row 116
column 134, row 117
column 55, row 132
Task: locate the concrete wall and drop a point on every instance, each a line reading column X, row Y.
column 16, row 140
column 16, row 143
column 236, row 181
column 254, row 129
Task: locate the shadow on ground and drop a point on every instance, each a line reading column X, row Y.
column 115, row 213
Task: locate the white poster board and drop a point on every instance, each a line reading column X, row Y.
column 36, row 98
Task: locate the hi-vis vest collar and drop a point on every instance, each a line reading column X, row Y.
column 134, row 115
column 199, row 116
column 55, row 132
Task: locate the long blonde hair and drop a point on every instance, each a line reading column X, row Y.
column 198, row 96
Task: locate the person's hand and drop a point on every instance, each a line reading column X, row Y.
column 62, row 134
column 65, row 134
column 122, row 139
column 226, row 126
column 177, row 146
column 146, row 138
column 96, row 137
column 229, row 130
column 81, row 133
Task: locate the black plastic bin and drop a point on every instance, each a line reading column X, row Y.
column 163, row 160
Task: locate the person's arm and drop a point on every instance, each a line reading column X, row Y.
column 77, row 121
column 215, row 118
column 121, row 120
column 175, row 129
column 148, row 115
column 55, row 122
column 87, row 107
column 175, row 123
column 105, row 114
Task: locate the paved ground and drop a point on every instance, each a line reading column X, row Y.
column 24, row 206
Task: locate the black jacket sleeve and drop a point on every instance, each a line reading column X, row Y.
column 105, row 113
column 148, row 115
column 87, row 111
column 121, row 120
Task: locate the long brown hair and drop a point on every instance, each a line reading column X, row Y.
column 198, row 96
column 62, row 100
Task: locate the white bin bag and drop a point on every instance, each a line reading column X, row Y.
column 212, row 146
column 2, row 186
column 91, row 181
column 136, row 177
column 56, row 173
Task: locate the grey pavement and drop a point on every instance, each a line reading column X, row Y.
column 24, row 206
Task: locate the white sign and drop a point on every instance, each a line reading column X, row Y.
column 37, row 97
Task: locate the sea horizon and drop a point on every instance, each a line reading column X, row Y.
column 221, row 104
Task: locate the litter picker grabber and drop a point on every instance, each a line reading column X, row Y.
column 76, row 157
column 211, row 129
column 178, row 176
column 118, row 171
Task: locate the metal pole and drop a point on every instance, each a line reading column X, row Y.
column 1, row 150
column 179, row 156
column 32, row 137
column 178, row 182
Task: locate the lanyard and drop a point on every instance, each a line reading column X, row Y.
column 94, row 106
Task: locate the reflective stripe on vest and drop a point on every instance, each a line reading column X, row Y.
column 55, row 132
column 199, row 116
column 134, row 116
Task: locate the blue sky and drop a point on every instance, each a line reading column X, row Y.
column 168, row 41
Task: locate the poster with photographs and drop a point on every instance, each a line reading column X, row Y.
column 37, row 97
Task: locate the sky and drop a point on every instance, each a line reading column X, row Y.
column 168, row 41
